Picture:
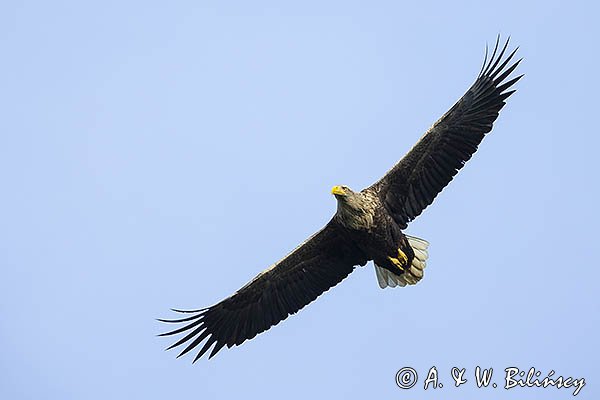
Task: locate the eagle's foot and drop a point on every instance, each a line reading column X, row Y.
column 400, row 261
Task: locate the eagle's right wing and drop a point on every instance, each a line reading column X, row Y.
column 312, row 268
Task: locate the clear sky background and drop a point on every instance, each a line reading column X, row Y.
column 160, row 154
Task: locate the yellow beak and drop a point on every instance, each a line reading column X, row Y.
column 337, row 190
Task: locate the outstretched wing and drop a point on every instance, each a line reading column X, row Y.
column 413, row 183
column 312, row 268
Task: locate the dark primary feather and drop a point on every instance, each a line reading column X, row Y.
column 413, row 183
column 312, row 268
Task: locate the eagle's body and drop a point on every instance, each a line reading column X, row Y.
column 367, row 226
column 362, row 220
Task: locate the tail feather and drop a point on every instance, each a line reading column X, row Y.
column 413, row 274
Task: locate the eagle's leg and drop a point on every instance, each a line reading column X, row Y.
column 400, row 261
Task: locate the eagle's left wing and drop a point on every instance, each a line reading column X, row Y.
column 413, row 183
column 312, row 268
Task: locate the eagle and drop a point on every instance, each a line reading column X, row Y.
column 367, row 226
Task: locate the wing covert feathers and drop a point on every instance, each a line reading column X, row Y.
column 414, row 182
column 281, row 290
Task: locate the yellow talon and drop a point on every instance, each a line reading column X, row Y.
column 401, row 261
column 397, row 263
column 402, row 256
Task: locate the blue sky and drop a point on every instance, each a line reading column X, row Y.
column 159, row 155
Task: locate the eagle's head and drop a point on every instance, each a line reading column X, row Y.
column 354, row 210
column 342, row 192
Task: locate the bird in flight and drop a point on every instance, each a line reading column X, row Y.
column 367, row 225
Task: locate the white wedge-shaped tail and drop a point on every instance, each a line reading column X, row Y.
column 413, row 274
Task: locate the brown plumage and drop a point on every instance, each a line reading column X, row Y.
column 367, row 225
